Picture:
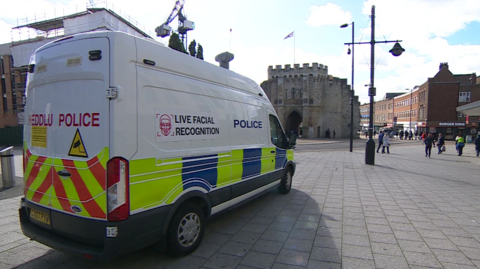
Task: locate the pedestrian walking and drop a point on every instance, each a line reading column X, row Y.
column 410, row 135
column 428, row 145
column 477, row 144
column 386, row 143
column 333, row 133
column 459, row 144
column 416, row 134
column 424, row 135
column 380, row 140
column 401, row 134
column 440, row 143
column 406, row 134
column 293, row 139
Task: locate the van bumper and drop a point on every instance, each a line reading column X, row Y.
column 129, row 239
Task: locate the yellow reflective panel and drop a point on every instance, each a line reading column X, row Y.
column 154, row 192
column 268, row 160
column 237, row 165
column 224, row 170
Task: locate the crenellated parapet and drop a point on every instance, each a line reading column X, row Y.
column 305, row 70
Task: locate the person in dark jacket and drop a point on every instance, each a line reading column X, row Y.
column 401, row 135
column 380, row 140
column 477, row 144
column 293, row 139
column 428, row 145
column 440, row 143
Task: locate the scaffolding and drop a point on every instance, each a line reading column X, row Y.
column 37, row 28
column 31, row 33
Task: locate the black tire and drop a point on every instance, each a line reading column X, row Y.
column 286, row 183
column 186, row 230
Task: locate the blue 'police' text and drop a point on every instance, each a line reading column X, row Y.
column 247, row 124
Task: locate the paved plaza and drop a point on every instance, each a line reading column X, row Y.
column 406, row 211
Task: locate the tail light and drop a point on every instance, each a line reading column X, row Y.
column 117, row 189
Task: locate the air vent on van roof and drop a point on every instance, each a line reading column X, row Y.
column 95, row 55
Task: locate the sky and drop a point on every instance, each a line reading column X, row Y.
column 432, row 32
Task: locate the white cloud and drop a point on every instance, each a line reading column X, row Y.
column 424, row 27
column 329, row 14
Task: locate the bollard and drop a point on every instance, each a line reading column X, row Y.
column 8, row 167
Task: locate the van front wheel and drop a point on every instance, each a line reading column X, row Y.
column 286, row 183
column 186, row 230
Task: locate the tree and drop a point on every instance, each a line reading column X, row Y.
column 200, row 52
column 175, row 43
column 192, row 48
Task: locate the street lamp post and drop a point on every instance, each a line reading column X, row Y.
column 397, row 50
column 352, row 91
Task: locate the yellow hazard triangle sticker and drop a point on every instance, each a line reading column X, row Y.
column 77, row 148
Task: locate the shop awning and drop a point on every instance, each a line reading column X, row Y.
column 472, row 109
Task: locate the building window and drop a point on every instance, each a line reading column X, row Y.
column 459, row 114
column 464, row 97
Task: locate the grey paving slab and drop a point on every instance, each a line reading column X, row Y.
column 388, row 262
column 292, row 257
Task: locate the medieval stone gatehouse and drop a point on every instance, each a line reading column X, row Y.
column 310, row 102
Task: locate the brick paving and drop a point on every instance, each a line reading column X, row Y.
column 406, row 211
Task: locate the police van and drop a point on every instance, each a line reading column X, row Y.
column 129, row 143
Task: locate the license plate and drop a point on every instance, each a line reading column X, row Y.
column 42, row 217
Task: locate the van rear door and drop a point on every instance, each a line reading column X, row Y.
column 66, row 140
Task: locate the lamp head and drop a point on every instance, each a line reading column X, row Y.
column 344, row 25
column 397, row 50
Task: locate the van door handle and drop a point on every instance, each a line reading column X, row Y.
column 64, row 173
column 273, row 151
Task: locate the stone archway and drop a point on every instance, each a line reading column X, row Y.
column 294, row 120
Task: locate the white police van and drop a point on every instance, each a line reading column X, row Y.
column 130, row 143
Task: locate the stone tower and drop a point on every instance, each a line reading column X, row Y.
column 310, row 101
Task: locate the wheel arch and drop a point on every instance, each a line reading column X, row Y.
column 291, row 165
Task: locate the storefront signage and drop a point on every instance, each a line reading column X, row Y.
column 451, row 124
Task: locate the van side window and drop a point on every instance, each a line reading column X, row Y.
column 276, row 133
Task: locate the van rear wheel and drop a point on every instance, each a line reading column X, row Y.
column 186, row 230
column 286, row 183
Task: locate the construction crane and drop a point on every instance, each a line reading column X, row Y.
column 184, row 25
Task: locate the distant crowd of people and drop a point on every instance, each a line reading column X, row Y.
column 428, row 140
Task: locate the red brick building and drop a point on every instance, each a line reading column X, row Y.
column 406, row 110
column 432, row 106
column 439, row 98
